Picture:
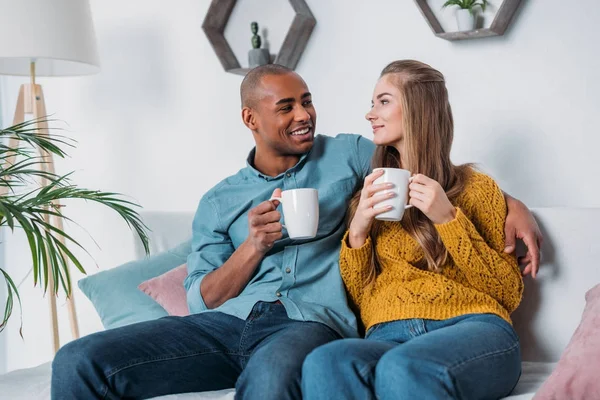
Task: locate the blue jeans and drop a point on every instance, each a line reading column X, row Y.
column 261, row 357
column 468, row 357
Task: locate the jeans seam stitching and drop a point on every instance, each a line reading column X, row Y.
column 115, row 371
column 368, row 366
column 373, row 329
column 484, row 355
column 242, row 343
column 422, row 326
column 105, row 387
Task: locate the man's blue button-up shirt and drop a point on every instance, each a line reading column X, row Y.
column 303, row 274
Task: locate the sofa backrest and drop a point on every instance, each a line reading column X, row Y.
column 167, row 230
column 552, row 304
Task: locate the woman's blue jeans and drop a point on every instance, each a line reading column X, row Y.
column 473, row 356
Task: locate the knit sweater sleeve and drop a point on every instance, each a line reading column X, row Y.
column 476, row 245
column 354, row 268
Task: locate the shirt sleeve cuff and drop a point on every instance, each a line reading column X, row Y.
column 194, row 297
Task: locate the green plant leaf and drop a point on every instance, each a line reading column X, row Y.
column 9, row 218
column 458, row 3
column 42, row 255
column 27, row 228
column 54, row 270
column 66, row 275
column 30, row 209
column 481, row 4
column 466, row 4
column 70, row 255
column 12, row 292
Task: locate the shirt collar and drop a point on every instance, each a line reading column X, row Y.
column 254, row 172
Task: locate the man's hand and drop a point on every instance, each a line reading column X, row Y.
column 263, row 224
column 520, row 224
column 228, row 281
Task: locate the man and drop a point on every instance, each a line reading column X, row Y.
column 260, row 301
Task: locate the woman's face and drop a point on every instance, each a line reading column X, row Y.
column 385, row 115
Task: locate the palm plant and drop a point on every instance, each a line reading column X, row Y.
column 467, row 4
column 28, row 209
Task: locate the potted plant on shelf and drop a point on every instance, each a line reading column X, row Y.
column 26, row 205
column 465, row 15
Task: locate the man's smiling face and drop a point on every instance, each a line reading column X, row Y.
column 284, row 115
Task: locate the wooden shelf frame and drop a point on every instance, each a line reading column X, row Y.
column 501, row 21
column 291, row 50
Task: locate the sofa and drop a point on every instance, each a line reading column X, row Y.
column 545, row 321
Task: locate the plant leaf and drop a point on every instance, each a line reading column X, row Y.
column 12, row 291
column 453, row 3
column 31, row 209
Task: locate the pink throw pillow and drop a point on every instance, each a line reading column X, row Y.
column 576, row 375
column 168, row 291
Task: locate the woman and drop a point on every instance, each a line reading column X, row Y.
column 435, row 290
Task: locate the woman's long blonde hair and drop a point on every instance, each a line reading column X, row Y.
column 428, row 133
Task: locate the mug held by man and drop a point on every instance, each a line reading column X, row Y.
column 300, row 212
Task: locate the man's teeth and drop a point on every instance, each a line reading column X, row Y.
column 301, row 132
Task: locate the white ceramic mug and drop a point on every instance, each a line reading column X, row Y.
column 300, row 212
column 400, row 178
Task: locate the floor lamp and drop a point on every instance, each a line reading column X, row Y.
column 46, row 38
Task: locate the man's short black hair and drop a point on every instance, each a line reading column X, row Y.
column 254, row 78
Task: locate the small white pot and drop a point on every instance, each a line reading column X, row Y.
column 465, row 20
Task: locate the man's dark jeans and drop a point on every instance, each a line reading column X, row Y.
column 261, row 357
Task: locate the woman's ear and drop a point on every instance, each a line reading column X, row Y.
column 249, row 118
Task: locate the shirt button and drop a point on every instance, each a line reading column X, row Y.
column 288, row 175
column 278, row 294
column 288, row 270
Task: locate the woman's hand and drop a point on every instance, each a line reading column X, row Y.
column 429, row 197
column 365, row 213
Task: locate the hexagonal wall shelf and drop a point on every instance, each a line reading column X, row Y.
column 293, row 45
column 501, row 21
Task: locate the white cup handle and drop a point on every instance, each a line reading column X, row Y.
column 279, row 199
column 406, row 207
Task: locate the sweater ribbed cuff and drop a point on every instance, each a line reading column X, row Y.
column 358, row 256
column 449, row 231
column 354, row 267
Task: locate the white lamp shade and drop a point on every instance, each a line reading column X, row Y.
column 57, row 34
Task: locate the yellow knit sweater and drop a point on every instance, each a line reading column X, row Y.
column 477, row 278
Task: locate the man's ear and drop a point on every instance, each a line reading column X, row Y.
column 249, row 118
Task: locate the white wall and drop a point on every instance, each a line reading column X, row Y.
column 161, row 121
